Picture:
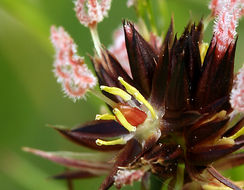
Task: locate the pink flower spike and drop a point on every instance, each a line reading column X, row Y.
column 118, row 48
column 228, row 14
column 91, row 12
column 216, row 5
column 69, row 68
column 237, row 93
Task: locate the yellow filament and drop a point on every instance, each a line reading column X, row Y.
column 116, row 91
column 100, row 142
column 203, row 50
column 237, row 134
column 123, row 120
column 105, row 116
column 133, row 91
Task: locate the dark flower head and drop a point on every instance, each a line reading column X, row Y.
column 170, row 109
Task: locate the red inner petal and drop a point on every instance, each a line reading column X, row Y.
column 133, row 115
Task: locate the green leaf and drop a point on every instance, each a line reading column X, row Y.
column 26, row 175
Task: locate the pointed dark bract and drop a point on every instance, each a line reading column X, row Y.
column 217, row 76
column 142, row 59
column 206, row 133
column 160, row 78
column 207, row 154
column 222, row 179
column 87, row 134
column 128, row 155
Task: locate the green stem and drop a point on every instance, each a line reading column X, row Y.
column 144, row 11
column 151, row 16
column 102, row 97
column 206, row 21
column 95, row 39
column 163, row 9
column 180, row 177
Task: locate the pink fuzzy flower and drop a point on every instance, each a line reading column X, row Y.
column 70, row 68
column 237, row 93
column 118, row 48
column 216, row 5
column 227, row 13
column 127, row 177
column 213, row 5
column 91, row 12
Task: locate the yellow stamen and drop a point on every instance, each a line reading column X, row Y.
column 105, row 116
column 237, row 134
column 225, row 141
column 133, row 91
column 203, row 50
column 123, row 120
column 219, row 115
column 117, row 91
column 100, row 142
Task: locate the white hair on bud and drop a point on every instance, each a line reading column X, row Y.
column 127, row 177
column 90, row 12
column 237, row 93
column 216, row 6
column 228, row 13
column 69, row 68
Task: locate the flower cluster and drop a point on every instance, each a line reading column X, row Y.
column 175, row 106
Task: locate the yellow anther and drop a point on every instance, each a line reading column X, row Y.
column 203, row 50
column 133, row 91
column 219, row 115
column 225, row 141
column 123, row 120
column 105, row 116
column 237, row 134
column 117, row 91
column 100, row 142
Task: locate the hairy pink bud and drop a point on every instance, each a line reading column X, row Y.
column 228, row 13
column 118, row 48
column 216, row 6
column 70, row 68
column 91, row 12
column 237, row 93
column 127, row 177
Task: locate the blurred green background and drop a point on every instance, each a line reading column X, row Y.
column 30, row 96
